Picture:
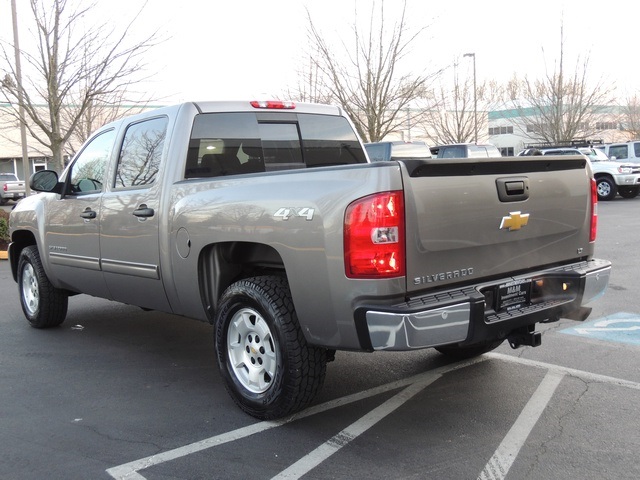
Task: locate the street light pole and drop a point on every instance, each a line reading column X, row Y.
column 475, row 97
column 26, row 167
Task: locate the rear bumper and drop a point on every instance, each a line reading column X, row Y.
column 12, row 195
column 467, row 316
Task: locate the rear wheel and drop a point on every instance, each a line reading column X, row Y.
column 460, row 353
column 269, row 369
column 43, row 304
column 606, row 188
column 628, row 192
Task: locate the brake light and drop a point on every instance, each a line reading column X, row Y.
column 594, row 211
column 273, row 104
column 374, row 236
column 4, row 187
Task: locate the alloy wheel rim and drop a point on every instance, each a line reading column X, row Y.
column 604, row 189
column 30, row 291
column 252, row 350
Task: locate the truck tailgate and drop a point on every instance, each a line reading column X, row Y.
column 485, row 218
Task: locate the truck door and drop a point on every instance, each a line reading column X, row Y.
column 130, row 216
column 72, row 241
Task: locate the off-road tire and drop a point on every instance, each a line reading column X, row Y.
column 44, row 305
column 269, row 369
column 628, row 192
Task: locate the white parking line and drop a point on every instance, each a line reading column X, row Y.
column 501, row 461
column 324, row 451
column 129, row 471
column 572, row 372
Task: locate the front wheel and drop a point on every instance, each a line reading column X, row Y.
column 43, row 305
column 269, row 369
column 606, row 188
column 460, row 353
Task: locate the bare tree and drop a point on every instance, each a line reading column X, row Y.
column 631, row 117
column 452, row 121
column 98, row 112
column 562, row 105
column 70, row 71
column 368, row 82
column 311, row 86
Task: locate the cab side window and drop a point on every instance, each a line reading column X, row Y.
column 621, row 152
column 88, row 171
column 141, row 153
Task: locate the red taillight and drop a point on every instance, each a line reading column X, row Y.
column 374, row 236
column 594, row 211
column 4, row 187
column 273, row 104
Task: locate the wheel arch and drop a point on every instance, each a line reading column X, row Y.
column 19, row 241
column 600, row 175
column 224, row 263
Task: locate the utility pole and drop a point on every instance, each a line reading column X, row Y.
column 26, row 167
column 475, row 96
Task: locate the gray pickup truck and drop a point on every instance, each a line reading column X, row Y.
column 10, row 188
column 267, row 220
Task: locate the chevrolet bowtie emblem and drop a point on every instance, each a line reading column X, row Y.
column 515, row 221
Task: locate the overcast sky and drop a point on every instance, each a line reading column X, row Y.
column 244, row 49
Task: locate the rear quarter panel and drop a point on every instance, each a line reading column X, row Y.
column 245, row 209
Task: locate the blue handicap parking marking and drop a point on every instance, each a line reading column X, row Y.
column 618, row 327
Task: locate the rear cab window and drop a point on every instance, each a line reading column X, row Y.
column 455, row 151
column 245, row 142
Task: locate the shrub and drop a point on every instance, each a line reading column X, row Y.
column 4, row 227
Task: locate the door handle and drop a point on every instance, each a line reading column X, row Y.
column 88, row 213
column 143, row 211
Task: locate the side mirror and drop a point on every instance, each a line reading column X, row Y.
column 45, row 181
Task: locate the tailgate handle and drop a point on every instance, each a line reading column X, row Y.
column 513, row 189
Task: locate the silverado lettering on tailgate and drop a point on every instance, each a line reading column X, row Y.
column 439, row 277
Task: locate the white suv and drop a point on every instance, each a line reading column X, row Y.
column 629, row 152
column 612, row 177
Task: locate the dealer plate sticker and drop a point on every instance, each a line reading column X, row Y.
column 514, row 295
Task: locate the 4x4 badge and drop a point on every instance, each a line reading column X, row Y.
column 515, row 221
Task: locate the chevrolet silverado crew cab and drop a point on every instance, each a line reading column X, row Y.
column 267, row 220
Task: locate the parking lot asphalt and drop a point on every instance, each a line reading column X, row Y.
column 117, row 392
